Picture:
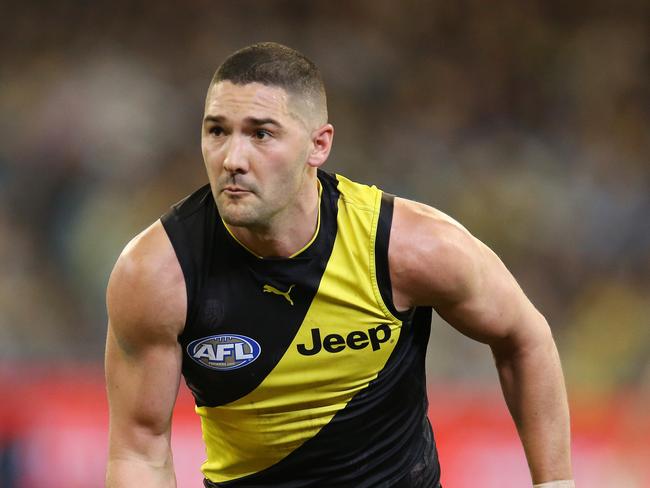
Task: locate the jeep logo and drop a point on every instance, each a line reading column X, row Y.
column 356, row 339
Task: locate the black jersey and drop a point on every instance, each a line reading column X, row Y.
column 303, row 372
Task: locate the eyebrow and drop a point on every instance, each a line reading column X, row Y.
column 254, row 121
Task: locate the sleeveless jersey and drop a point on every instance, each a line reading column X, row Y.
column 303, row 372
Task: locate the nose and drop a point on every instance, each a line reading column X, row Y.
column 236, row 160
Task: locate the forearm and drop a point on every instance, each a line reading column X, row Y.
column 533, row 387
column 139, row 458
column 125, row 473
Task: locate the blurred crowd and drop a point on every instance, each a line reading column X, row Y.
column 529, row 122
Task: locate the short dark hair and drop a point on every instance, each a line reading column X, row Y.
column 273, row 64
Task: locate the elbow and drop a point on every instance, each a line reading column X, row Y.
column 530, row 337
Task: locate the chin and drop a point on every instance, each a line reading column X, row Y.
column 239, row 217
column 238, row 221
column 244, row 214
column 233, row 213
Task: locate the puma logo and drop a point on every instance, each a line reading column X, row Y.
column 285, row 294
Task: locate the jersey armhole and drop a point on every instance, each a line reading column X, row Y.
column 381, row 274
column 177, row 236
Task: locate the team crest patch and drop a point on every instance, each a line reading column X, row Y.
column 224, row 352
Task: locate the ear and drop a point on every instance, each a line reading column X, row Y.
column 321, row 140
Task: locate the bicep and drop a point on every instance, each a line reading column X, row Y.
column 146, row 309
column 142, row 383
column 491, row 308
column 437, row 262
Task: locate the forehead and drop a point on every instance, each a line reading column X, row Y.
column 250, row 100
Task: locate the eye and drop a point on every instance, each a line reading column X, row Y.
column 215, row 130
column 261, row 134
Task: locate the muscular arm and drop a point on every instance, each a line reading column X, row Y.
column 146, row 308
column 435, row 261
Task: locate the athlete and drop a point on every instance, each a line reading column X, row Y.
column 297, row 306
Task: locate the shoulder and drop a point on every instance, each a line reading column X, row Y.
column 146, row 291
column 433, row 259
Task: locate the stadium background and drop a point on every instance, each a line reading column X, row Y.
column 527, row 121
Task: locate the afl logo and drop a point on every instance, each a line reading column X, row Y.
column 224, row 352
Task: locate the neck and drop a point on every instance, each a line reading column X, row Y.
column 289, row 233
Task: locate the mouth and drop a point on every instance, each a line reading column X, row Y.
column 235, row 190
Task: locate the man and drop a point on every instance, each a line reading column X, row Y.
column 297, row 305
